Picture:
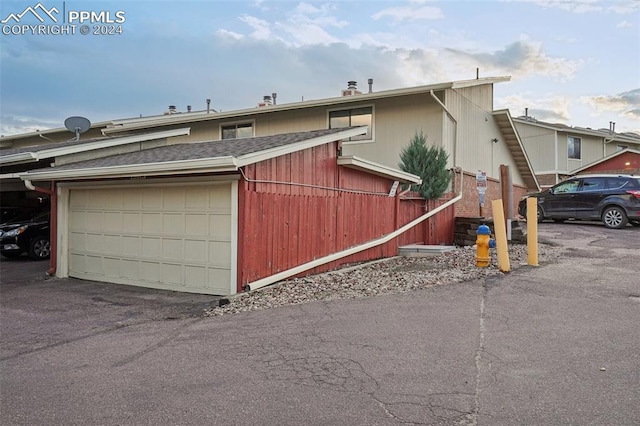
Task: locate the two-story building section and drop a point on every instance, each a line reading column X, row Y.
column 557, row 151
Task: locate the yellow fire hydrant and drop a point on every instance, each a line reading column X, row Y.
column 483, row 244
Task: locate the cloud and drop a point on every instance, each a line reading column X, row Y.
column 624, row 24
column 622, row 7
column 410, row 13
column 12, row 125
column 548, row 107
column 521, row 58
column 261, row 30
column 627, row 103
column 229, row 35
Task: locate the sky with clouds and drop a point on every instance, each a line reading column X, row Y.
column 575, row 62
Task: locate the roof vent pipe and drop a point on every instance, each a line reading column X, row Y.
column 267, row 99
column 613, row 127
column 188, row 108
column 370, row 81
column 273, row 95
column 172, row 109
column 208, row 105
column 352, row 85
column 526, row 112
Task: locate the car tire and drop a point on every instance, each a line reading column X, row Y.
column 614, row 217
column 40, row 248
column 635, row 222
column 559, row 220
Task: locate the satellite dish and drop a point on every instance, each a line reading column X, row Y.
column 77, row 125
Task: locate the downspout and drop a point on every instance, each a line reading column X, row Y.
column 455, row 128
column 353, row 250
column 53, row 222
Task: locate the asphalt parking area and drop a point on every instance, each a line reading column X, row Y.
column 39, row 311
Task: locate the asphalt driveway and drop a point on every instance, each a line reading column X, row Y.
column 557, row 344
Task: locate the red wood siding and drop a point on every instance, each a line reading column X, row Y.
column 627, row 163
column 282, row 225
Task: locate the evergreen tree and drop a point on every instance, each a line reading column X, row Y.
column 428, row 162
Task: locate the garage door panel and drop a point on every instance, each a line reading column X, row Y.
column 131, row 222
column 95, row 221
column 172, row 273
column 130, row 269
column 172, row 249
column 173, row 200
column 150, row 272
column 175, row 238
column 195, row 250
column 111, row 267
column 218, row 254
column 94, row 265
column 220, row 226
column 113, row 221
column 197, row 198
column 132, row 199
column 94, row 243
column 151, row 248
column 196, row 223
column 112, row 244
column 77, row 241
column 152, row 199
column 152, row 223
column 173, row 223
column 131, row 246
column 79, row 219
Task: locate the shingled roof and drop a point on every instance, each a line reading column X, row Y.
column 194, row 157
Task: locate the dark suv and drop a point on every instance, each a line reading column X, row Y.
column 613, row 199
column 29, row 236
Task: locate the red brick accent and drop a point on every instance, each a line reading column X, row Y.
column 468, row 206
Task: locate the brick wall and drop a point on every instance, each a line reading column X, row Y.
column 468, row 206
column 546, row 180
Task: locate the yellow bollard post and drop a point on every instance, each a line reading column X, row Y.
column 532, row 231
column 501, row 236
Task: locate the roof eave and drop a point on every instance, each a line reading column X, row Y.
column 357, row 163
column 206, row 165
column 20, row 158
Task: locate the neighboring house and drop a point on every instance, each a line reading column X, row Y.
column 626, row 161
column 557, row 151
column 212, row 202
column 214, row 217
column 457, row 115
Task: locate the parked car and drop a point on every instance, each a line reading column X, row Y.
column 613, row 199
column 29, row 236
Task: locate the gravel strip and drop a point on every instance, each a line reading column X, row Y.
column 394, row 275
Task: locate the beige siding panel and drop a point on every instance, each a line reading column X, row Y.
column 540, row 145
column 396, row 121
column 173, row 238
column 476, row 130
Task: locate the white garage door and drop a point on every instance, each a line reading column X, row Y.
column 167, row 237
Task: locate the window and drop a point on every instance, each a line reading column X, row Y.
column 573, row 148
column 237, row 131
column 615, row 182
column 592, row 184
column 353, row 117
column 568, row 186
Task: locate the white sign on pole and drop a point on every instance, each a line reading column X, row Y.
column 481, row 184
